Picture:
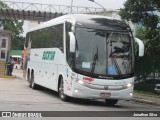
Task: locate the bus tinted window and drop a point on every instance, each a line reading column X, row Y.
column 47, row 38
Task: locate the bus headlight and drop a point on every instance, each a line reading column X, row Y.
column 129, row 85
column 76, row 90
column 131, row 94
column 80, row 82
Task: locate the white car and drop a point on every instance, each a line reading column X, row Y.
column 17, row 61
column 157, row 88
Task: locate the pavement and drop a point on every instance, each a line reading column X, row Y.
column 137, row 97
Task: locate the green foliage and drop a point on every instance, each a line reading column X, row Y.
column 144, row 66
column 145, row 13
column 145, row 87
column 15, row 26
column 141, row 11
column 18, row 43
column 151, row 40
column 3, row 5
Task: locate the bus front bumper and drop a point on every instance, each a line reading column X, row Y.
column 80, row 91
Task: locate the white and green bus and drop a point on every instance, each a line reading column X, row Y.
column 83, row 56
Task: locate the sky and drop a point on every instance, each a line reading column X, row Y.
column 107, row 4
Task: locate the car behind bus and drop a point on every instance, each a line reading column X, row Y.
column 17, row 61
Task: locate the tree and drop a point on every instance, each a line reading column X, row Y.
column 146, row 13
column 15, row 26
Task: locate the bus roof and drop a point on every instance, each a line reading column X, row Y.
column 86, row 20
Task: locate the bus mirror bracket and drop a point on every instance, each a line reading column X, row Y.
column 141, row 47
column 72, row 42
column 68, row 26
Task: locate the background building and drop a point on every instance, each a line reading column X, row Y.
column 5, row 43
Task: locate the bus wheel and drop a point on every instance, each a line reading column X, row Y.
column 32, row 83
column 28, row 77
column 62, row 96
column 111, row 102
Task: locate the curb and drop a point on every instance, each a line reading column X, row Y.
column 146, row 95
column 5, row 76
column 140, row 100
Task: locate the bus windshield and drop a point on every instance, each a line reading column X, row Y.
column 103, row 53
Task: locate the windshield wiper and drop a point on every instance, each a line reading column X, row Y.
column 108, row 38
column 94, row 61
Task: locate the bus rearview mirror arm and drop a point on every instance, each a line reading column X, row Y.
column 141, row 46
column 72, row 42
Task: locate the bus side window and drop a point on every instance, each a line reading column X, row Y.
column 59, row 36
column 51, row 37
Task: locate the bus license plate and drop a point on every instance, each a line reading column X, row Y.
column 105, row 94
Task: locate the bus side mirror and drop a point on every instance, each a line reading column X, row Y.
column 72, row 42
column 141, row 46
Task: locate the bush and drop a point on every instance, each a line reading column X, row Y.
column 144, row 87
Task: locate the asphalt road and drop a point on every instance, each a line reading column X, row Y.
column 15, row 95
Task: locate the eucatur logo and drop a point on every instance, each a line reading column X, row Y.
column 48, row 55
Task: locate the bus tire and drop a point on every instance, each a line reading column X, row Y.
column 32, row 84
column 28, row 76
column 111, row 102
column 62, row 96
